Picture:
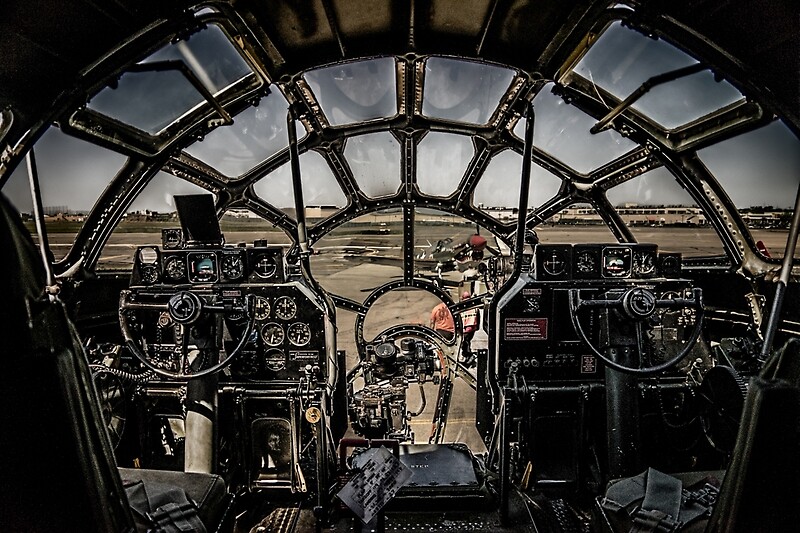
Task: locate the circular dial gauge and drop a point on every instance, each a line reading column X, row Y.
column 644, row 263
column 272, row 334
column 554, row 263
column 275, row 360
column 265, row 266
column 299, row 334
column 149, row 273
column 148, row 255
column 586, row 263
column 260, row 308
column 285, row 308
column 175, row 268
column 232, row 266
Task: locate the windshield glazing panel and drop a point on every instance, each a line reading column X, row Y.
column 497, row 192
column 757, row 169
column 442, row 159
column 622, row 59
column 658, row 210
column 355, row 92
column 151, row 211
column 562, row 131
column 375, row 161
column 360, row 255
column 321, row 192
column 462, row 91
column 256, row 134
column 151, row 101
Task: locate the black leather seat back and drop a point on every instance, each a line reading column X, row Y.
column 761, row 491
column 57, row 470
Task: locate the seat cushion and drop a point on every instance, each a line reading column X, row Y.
column 208, row 491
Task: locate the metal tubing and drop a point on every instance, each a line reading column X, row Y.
column 783, row 281
column 297, row 185
column 642, row 90
column 505, row 457
column 38, row 216
column 524, row 188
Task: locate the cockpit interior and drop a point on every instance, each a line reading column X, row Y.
column 480, row 265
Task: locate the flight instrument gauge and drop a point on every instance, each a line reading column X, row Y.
column 616, row 262
column 272, row 334
column 175, row 268
column 586, row 262
column 285, row 308
column 554, row 262
column 644, row 263
column 265, row 266
column 232, row 266
column 260, row 308
column 149, row 274
column 299, row 334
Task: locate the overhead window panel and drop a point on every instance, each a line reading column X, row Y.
column 151, row 101
column 257, row 134
column 375, row 161
column 462, row 91
column 623, row 59
column 442, row 159
column 355, row 92
column 562, row 131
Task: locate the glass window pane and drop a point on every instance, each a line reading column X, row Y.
column 151, row 211
column 622, row 59
column 658, row 210
column 151, row 101
column 497, row 192
column 686, row 99
column 243, row 226
column 375, row 161
column 321, row 192
column 463, row 91
column 355, row 92
column 442, row 159
column 562, row 131
column 72, row 175
column 578, row 223
column 760, row 171
column 256, row 134
column 757, row 169
column 360, row 255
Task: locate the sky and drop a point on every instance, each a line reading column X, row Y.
column 756, row 168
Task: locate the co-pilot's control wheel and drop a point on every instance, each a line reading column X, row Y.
column 178, row 314
column 639, row 306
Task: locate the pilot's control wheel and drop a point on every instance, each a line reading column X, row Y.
column 178, row 311
column 637, row 305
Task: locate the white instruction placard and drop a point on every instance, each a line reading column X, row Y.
column 375, row 485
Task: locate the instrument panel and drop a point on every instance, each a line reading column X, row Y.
column 603, row 261
column 534, row 334
column 154, row 266
column 291, row 330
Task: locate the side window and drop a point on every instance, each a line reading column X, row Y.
column 72, row 175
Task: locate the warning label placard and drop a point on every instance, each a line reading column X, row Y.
column 526, row 329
